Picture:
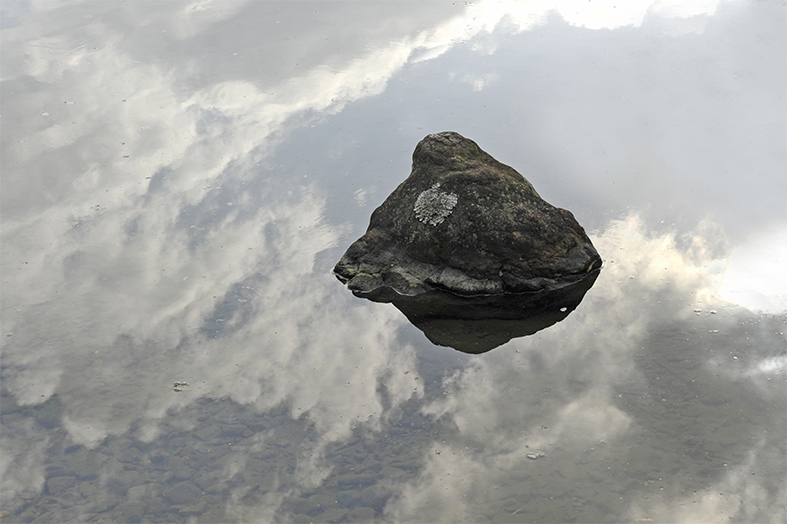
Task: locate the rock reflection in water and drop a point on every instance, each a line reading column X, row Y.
column 477, row 324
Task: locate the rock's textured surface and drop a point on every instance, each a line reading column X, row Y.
column 464, row 223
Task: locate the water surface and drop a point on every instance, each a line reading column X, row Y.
column 179, row 178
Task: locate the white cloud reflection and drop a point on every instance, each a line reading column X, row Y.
column 143, row 244
column 754, row 276
column 738, row 495
column 557, row 393
column 107, row 292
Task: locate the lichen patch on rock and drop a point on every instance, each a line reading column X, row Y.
column 433, row 206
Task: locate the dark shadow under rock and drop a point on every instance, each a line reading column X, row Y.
column 478, row 324
column 465, row 232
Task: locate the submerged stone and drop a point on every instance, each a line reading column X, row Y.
column 466, row 228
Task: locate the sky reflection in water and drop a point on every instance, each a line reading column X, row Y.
column 178, row 180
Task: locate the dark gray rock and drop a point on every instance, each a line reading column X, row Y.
column 49, row 413
column 208, row 433
column 375, row 497
column 55, row 485
column 466, row 224
column 179, row 468
column 86, row 463
column 102, row 502
column 183, row 493
column 360, row 514
column 122, row 480
column 49, row 517
column 131, row 455
column 130, row 511
column 465, row 240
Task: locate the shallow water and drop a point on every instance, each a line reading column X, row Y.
column 178, row 180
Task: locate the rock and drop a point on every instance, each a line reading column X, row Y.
column 183, row 493
column 50, row 412
column 86, row 463
column 375, row 497
column 131, row 455
column 359, row 514
column 463, row 222
column 103, row 502
column 130, row 511
column 193, row 509
column 333, row 515
column 179, row 468
column 139, row 492
column 122, row 480
column 49, row 517
column 55, row 485
column 471, row 237
column 208, row 433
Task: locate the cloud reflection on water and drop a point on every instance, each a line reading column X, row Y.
column 117, row 256
column 119, row 154
column 149, row 238
column 559, row 392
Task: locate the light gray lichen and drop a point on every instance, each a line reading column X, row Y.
column 433, row 206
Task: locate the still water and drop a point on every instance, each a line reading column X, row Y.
column 179, row 178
